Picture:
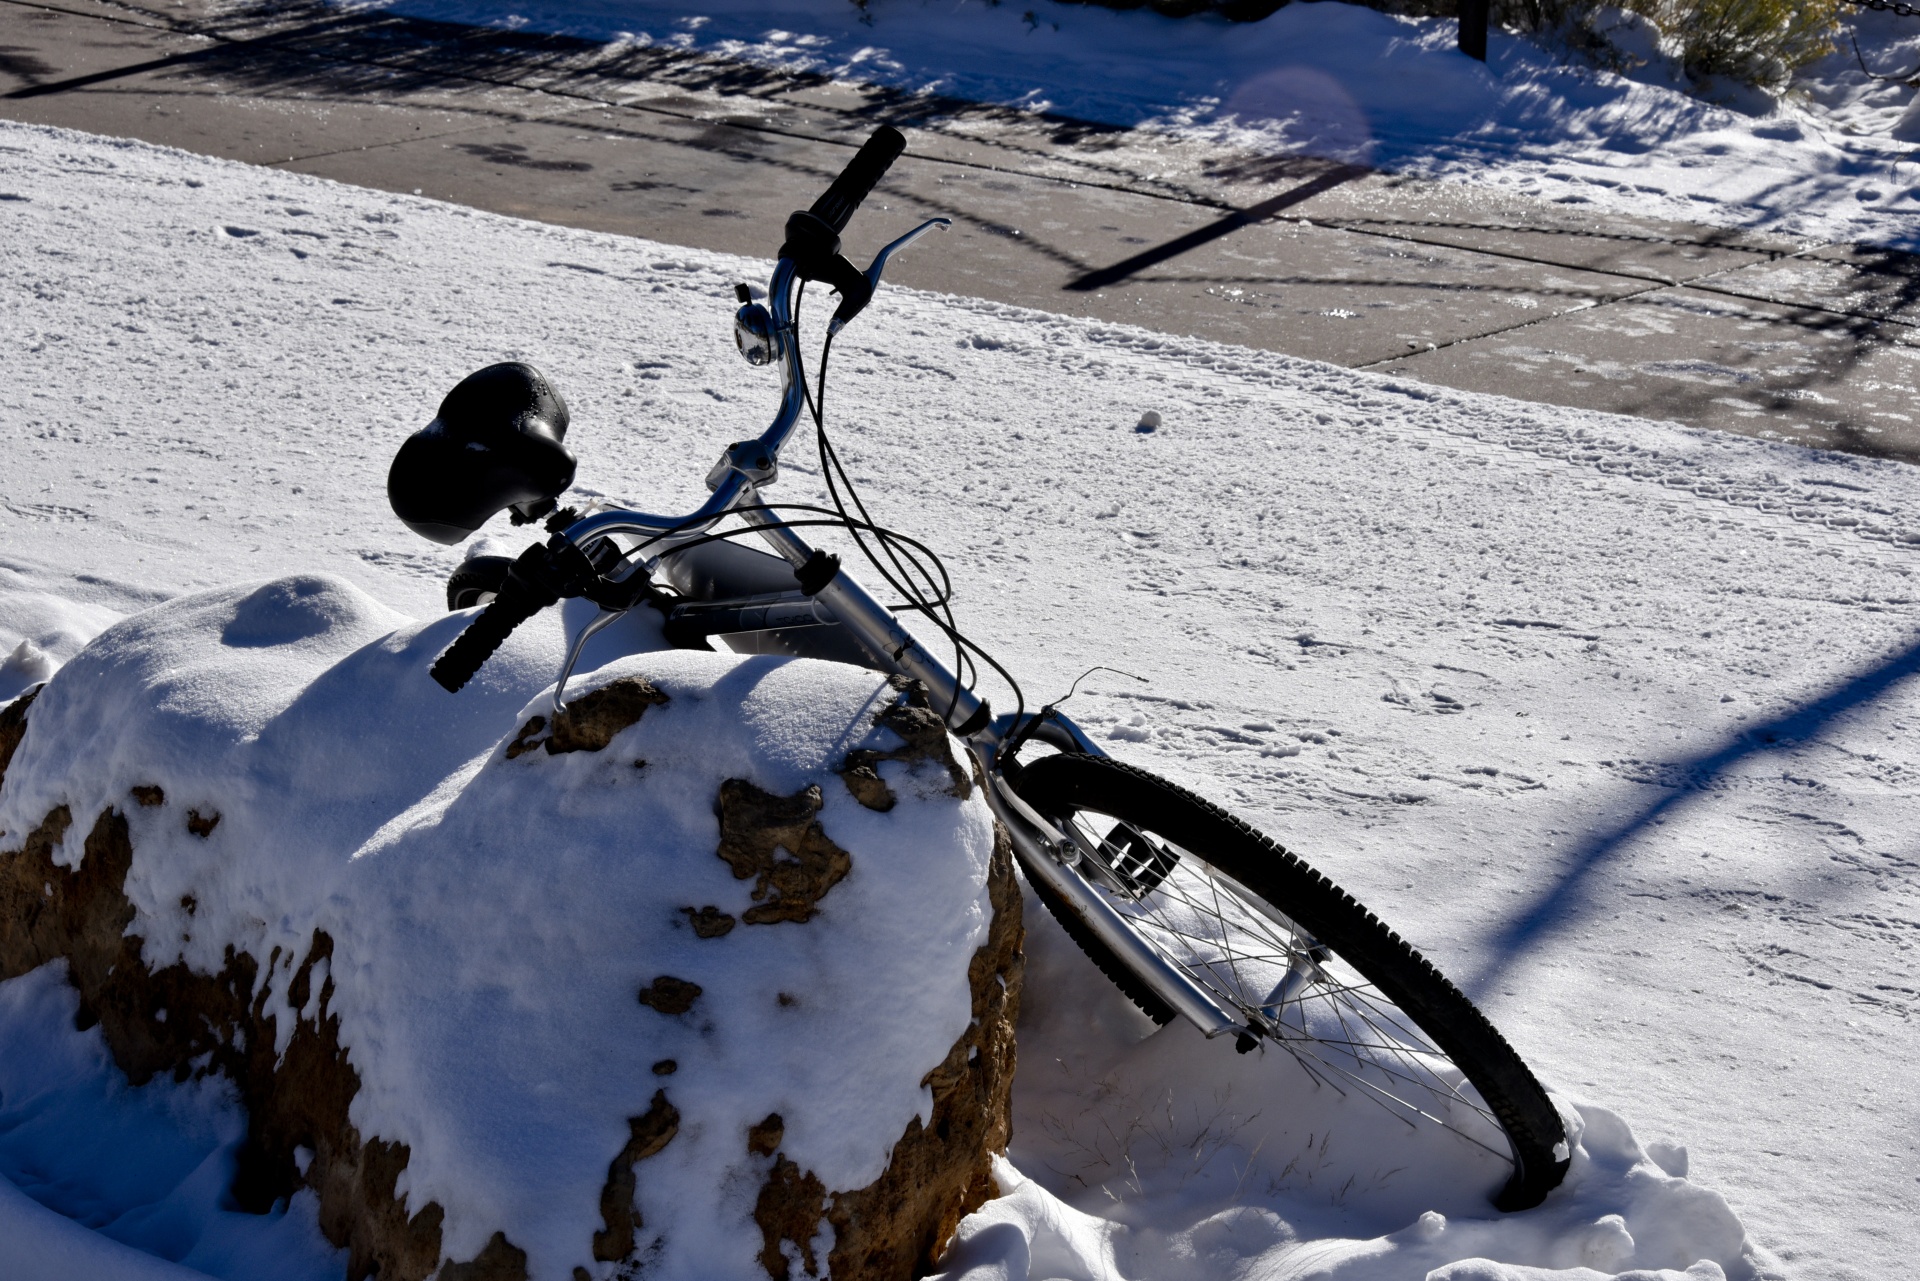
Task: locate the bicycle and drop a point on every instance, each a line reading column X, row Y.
column 1189, row 911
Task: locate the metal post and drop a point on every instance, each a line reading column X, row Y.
column 1473, row 28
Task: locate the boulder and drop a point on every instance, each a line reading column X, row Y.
column 714, row 975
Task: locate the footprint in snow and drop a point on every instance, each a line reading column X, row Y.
column 1432, row 702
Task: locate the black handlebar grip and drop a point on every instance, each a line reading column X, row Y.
column 856, row 182
column 483, row 636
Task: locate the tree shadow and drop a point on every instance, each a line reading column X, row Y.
column 1836, row 391
column 312, row 46
column 1239, row 218
column 1569, row 899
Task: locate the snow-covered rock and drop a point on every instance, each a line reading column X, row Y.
column 718, row 972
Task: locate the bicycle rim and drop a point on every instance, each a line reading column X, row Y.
column 1319, row 979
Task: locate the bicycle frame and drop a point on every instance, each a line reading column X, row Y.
column 1048, row 855
column 1166, row 893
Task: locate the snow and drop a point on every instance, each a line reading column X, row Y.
column 99, row 1180
column 40, row 630
column 1824, row 164
column 1158, row 1159
column 1610, row 717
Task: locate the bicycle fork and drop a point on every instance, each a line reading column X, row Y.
column 1048, row 856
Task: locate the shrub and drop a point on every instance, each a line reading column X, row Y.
column 1753, row 42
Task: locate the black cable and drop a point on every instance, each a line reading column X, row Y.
column 806, row 396
column 836, row 521
column 965, row 672
column 943, row 588
column 816, row 409
column 830, row 454
column 931, row 595
column 831, row 466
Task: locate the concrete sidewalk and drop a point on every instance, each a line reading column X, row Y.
column 1817, row 344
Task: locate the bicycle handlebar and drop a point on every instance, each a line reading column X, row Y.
column 856, row 182
column 544, row 574
column 482, row 637
column 538, row 578
column 800, row 258
column 813, row 235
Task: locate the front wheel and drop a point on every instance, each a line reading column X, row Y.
column 477, row 581
column 1309, row 970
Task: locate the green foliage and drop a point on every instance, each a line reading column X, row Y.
column 1755, row 42
column 1752, row 42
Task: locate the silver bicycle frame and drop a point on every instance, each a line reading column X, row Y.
column 1047, row 854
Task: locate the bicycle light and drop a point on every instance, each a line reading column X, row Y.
column 752, row 329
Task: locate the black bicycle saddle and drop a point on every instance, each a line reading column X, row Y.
column 497, row 442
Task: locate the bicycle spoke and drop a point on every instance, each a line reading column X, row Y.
column 1348, row 1035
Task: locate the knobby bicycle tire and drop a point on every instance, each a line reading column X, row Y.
column 1166, row 857
column 477, row 581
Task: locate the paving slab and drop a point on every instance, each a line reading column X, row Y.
column 1548, row 301
column 1335, row 295
column 1639, row 248
column 111, row 11
column 1782, row 373
column 46, row 47
column 1854, row 279
column 199, row 97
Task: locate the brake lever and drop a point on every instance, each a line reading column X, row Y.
column 874, row 272
column 580, row 640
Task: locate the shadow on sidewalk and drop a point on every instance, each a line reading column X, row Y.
column 311, row 45
column 1233, row 222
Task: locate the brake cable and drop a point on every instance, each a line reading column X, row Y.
column 830, row 466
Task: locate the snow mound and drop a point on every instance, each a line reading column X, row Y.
column 40, row 631
column 405, row 882
column 1146, row 1155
